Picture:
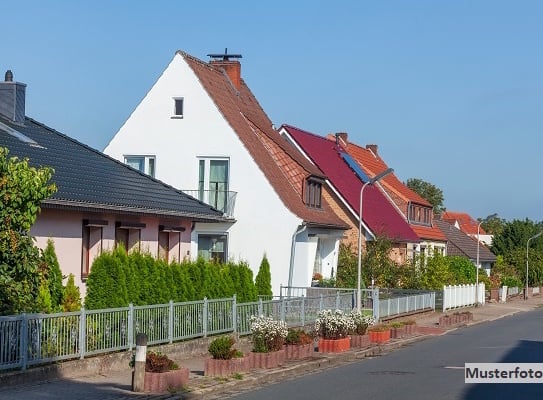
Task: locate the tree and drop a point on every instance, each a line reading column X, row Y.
column 263, row 279
column 53, row 274
column 492, row 224
column 22, row 189
column 513, row 239
column 72, row 296
column 428, row 191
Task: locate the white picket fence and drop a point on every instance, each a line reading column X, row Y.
column 462, row 296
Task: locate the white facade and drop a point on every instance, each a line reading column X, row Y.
column 263, row 224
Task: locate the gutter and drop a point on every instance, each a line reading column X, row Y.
column 300, row 229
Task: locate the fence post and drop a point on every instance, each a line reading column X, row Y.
column 337, row 301
column 138, row 380
column 375, row 301
column 234, row 314
column 130, row 326
column 303, row 310
column 82, row 333
column 260, row 307
column 444, row 298
column 24, row 341
column 321, row 305
column 281, row 291
column 170, row 322
column 204, row 317
column 282, row 310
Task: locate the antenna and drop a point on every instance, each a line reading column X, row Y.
column 225, row 56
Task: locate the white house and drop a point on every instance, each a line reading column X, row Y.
column 200, row 129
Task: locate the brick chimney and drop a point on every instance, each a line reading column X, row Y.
column 12, row 99
column 342, row 138
column 232, row 68
column 372, row 148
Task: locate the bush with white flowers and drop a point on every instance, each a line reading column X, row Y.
column 361, row 322
column 268, row 334
column 333, row 324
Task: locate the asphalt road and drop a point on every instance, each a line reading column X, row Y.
column 431, row 369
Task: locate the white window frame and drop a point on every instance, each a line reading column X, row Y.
column 175, row 111
column 149, row 163
column 207, row 168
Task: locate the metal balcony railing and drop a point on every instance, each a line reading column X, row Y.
column 224, row 201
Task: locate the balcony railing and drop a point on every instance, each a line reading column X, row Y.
column 224, row 201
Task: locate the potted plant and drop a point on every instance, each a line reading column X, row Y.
column 379, row 333
column 298, row 344
column 225, row 359
column 361, row 321
column 268, row 336
column 333, row 328
column 163, row 374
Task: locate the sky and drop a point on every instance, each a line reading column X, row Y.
column 450, row 91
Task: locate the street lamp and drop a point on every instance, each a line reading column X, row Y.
column 477, row 263
column 370, row 182
column 527, row 246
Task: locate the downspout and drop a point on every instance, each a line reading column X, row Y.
column 292, row 255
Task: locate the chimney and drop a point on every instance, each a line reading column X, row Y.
column 232, row 68
column 372, row 148
column 342, row 138
column 12, row 99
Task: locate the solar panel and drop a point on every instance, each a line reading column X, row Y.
column 355, row 167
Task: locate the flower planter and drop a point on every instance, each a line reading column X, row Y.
column 360, row 340
column 215, row 367
column 398, row 332
column 379, row 336
column 334, row 345
column 410, row 329
column 159, row 382
column 273, row 359
column 298, row 351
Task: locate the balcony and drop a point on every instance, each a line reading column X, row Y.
column 224, row 201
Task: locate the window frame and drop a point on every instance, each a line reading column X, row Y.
column 90, row 229
column 175, row 112
column 313, row 192
column 132, row 235
column 223, row 236
column 149, row 163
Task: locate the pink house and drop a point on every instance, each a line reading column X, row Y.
column 100, row 202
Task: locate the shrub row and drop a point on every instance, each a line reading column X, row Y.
column 118, row 279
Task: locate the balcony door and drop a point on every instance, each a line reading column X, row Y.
column 213, row 182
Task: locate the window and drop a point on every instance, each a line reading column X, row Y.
column 213, row 247
column 169, row 239
column 177, row 107
column 213, row 177
column 420, row 215
column 128, row 235
column 145, row 164
column 313, row 189
column 91, row 244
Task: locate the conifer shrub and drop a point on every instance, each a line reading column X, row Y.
column 72, row 296
column 263, row 279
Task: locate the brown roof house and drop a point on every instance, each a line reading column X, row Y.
column 201, row 129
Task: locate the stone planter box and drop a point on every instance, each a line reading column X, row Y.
column 334, row 345
column 410, row 329
column 360, row 340
column 272, row 359
column 456, row 318
column 379, row 336
column 298, row 351
column 398, row 333
column 158, row 382
column 215, row 367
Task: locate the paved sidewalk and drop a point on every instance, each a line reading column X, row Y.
column 116, row 385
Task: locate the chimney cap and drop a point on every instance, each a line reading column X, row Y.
column 9, row 76
column 225, row 56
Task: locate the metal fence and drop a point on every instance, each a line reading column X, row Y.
column 406, row 304
column 31, row 339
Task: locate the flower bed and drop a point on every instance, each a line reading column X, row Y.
column 379, row 334
column 334, row 345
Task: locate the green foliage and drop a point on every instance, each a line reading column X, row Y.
column 54, row 274
column 71, row 300
column 117, row 279
column 22, row 189
column 492, row 224
column 428, row 191
column 44, row 304
column 221, row 348
column 263, row 279
column 347, row 269
column 462, row 270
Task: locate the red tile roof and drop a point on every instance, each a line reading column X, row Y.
column 467, row 224
column 378, row 213
column 372, row 164
column 429, row 232
column 284, row 167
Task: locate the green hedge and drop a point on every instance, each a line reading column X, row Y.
column 117, row 279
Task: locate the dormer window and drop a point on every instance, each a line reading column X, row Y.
column 313, row 191
column 177, row 107
column 420, row 215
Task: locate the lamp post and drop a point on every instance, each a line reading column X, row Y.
column 477, row 263
column 527, row 247
column 358, row 285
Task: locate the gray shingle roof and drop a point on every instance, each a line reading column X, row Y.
column 90, row 180
column 460, row 244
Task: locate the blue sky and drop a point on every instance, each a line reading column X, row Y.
column 451, row 91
